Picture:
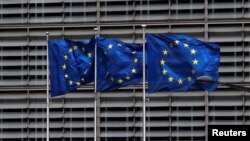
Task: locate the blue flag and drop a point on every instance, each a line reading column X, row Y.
column 175, row 61
column 119, row 64
column 71, row 65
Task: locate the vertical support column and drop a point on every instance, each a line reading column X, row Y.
column 206, row 20
column 28, row 80
column 28, row 115
column 243, row 69
column 169, row 12
column 206, row 10
column 98, row 12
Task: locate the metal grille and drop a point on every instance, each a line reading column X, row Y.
column 170, row 116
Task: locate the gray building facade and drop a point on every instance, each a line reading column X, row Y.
column 182, row 116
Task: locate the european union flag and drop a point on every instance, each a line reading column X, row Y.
column 119, row 64
column 175, row 61
column 71, row 65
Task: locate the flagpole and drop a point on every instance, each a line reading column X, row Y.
column 206, row 115
column 144, row 81
column 95, row 114
column 48, row 96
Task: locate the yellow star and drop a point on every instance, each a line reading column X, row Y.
column 120, row 81
column 78, row 83
column 133, row 70
column 177, row 42
column 64, row 66
column 119, row 45
column 193, row 51
column 186, row 45
column 189, row 79
column 75, row 47
column 164, row 72
column 82, row 80
column 66, row 75
column 112, row 79
column 136, row 60
column 165, row 52
column 70, row 82
column 193, row 71
column 180, row 81
column 134, row 52
column 65, row 57
column 83, row 49
column 89, row 55
column 170, row 79
column 70, row 49
column 195, row 61
column 127, row 77
column 110, row 46
column 162, row 62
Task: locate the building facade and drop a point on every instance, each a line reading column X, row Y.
column 182, row 116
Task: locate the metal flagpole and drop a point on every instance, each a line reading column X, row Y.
column 48, row 96
column 206, row 115
column 95, row 114
column 144, row 81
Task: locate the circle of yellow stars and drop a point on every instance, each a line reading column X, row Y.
column 66, row 56
column 195, row 61
column 132, row 71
